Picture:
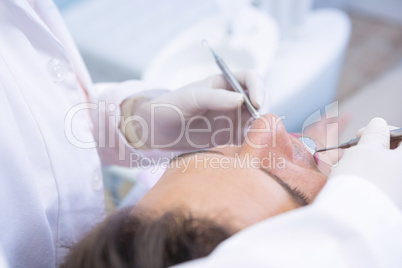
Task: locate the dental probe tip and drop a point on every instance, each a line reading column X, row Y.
column 326, row 149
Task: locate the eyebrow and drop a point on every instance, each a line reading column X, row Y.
column 299, row 197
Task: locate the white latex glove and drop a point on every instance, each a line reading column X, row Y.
column 197, row 107
column 373, row 160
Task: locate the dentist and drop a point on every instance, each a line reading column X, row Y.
column 51, row 190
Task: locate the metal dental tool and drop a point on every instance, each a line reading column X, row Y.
column 233, row 81
column 396, row 134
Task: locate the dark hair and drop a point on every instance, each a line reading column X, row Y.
column 128, row 239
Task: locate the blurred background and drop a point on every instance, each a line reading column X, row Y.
column 375, row 45
column 309, row 53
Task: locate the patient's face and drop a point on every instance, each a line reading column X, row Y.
column 269, row 174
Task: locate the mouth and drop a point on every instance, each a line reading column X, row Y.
column 316, row 160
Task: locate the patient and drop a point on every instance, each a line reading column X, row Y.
column 204, row 198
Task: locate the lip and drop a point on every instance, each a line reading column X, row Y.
column 316, row 159
column 296, row 135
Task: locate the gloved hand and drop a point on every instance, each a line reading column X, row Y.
column 197, row 116
column 373, row 160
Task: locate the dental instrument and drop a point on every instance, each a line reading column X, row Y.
column 309, row 143
column 233, row 81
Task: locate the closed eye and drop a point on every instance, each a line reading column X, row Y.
column 299, row 197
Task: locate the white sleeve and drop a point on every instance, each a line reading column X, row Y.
column 350, row 224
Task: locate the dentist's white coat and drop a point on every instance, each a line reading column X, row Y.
column 51, row 192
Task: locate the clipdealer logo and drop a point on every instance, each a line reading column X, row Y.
column 110, row 130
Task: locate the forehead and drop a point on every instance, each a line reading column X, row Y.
column 207, row 173
column 244, row 194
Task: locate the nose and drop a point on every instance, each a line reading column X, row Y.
column 268, row 137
